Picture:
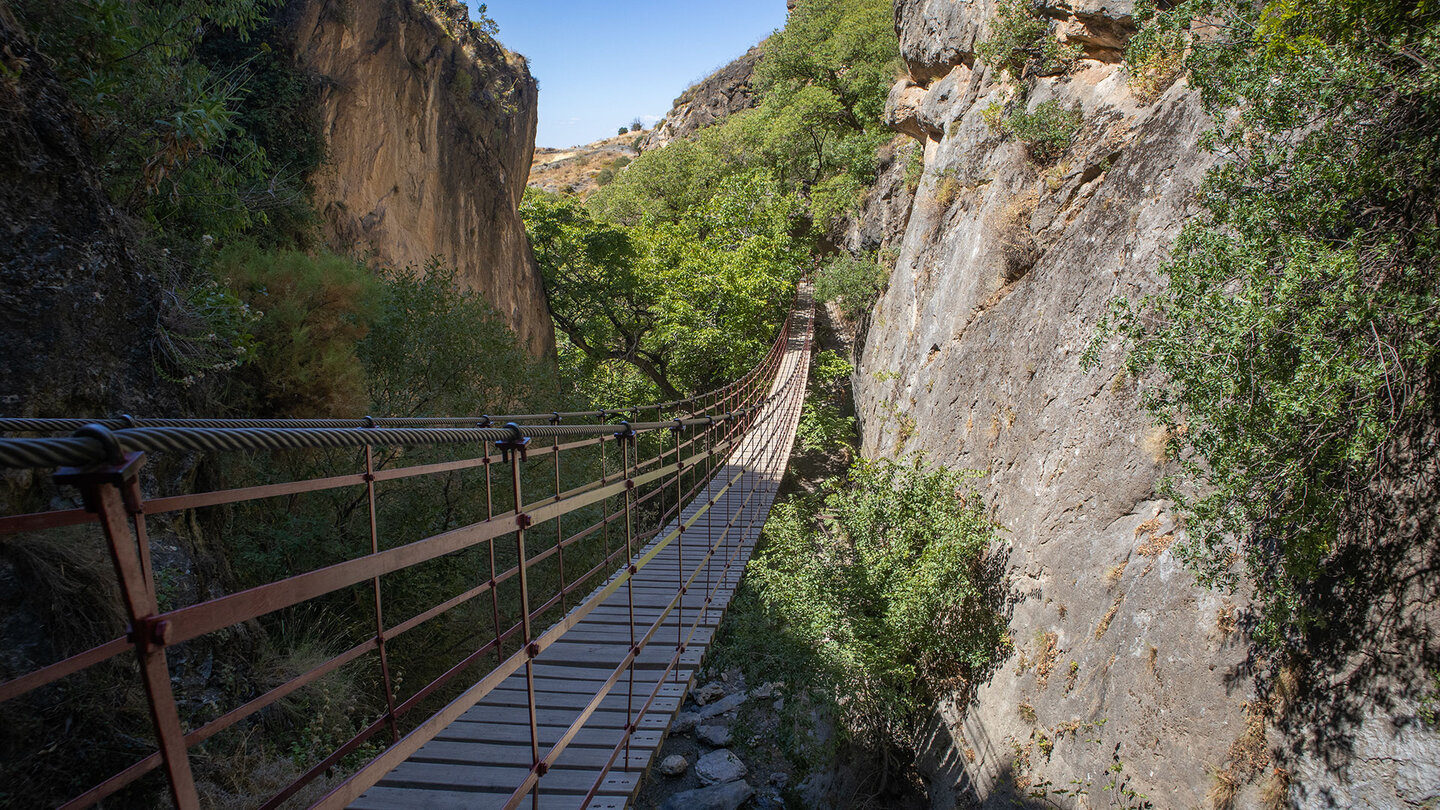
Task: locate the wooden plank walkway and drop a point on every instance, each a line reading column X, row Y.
column 478, row 761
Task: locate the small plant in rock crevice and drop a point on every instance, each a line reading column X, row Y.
column 1022, row 43
column 1047, row 131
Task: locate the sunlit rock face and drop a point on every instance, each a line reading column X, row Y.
column 430, row 130
column 972, row 357
column 1125, row 675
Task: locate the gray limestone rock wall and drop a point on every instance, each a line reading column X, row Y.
column 81, row 311
column 1128, row 682
column 1123, row 668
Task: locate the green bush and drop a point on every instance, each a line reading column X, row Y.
column 850, row 282
column 436, row 348
column 883, row 582
column 828, row 368
column 823, row 429
column 312, row 312
column 1047, row 131
column 1021, row 42
column 1297, row 328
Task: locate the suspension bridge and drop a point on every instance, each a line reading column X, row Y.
column 581, row 685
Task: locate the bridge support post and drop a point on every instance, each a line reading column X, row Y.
column 112, row 492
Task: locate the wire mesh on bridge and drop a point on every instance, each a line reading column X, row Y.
column 568, row 716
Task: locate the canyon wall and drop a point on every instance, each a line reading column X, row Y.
column 80, row 310
column 430, row 128
column 1129, row 684
column 1124, row 670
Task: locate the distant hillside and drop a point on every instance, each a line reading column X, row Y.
column 577, row 170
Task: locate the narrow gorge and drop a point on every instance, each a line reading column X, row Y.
column 1115, row 480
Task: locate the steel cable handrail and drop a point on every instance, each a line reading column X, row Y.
column 114, row 499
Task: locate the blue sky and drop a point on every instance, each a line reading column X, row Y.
column 602, row 63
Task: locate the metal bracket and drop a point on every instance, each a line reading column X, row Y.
column 515, row 444
column 86, row 478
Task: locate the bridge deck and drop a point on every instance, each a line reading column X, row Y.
column 478, row 761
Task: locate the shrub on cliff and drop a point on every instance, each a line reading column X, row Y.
column 197, row 125
column 1297, row 331
column 1047, row 131
column 1021, row 42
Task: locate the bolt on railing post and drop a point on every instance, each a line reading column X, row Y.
column 375, row 586
column 112, row 493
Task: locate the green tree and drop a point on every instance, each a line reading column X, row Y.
column 688, row 301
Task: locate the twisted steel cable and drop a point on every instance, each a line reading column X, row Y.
column 75, row 451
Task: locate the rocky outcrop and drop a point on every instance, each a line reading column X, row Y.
column 1128, row 680
column 721, row 95
column 1123, row 667
column 80, row 310
column 430, row 128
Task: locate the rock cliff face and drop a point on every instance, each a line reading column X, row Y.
column 1123, row 668
column 1128, row 680
column 722, row 94
column 430, row 130
column 80, row 311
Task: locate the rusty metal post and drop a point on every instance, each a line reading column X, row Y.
column 513, row 450
column 626, row 440
column 375, row 586
column 494, row 586
column 679, row 545
column 559, row 520
column 111, row 492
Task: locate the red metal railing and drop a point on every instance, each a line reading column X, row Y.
column 705, row 431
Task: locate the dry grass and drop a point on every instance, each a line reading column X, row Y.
column 1148, row 527
column 1155, row 545
column 1113, row 575
column 1225, row 620
column 946, row 192
column 1248, row 756
column 1223, row 787
column 1071, row 676
column 1108, row 617
column 1027, row 713
column 69, row 581
column 1156, row 444
column 1286, row 687
column 1275, row 795
column 1049, row 650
